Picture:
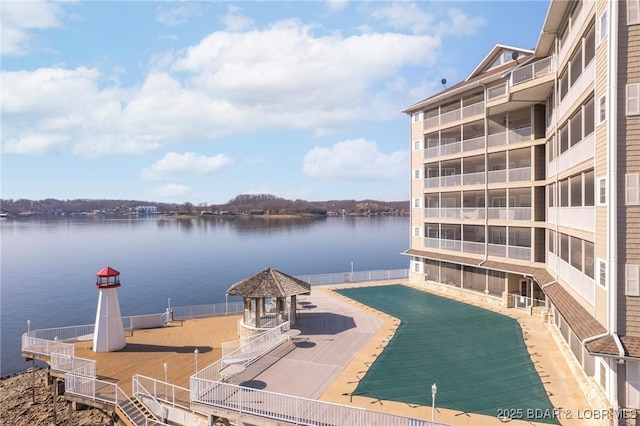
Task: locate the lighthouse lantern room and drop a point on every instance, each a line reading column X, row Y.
column 108, row 335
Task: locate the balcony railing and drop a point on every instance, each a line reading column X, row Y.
column 497, row 92
column 478, row 178
column 472, row 247
column 454, row 115
column 454, row 213
column 537, row 69
column 473, row 144
column 576, row 26
column 449, row 146
column 510, row 136
column 509, row 252
column 510, row 175
column 509, row 213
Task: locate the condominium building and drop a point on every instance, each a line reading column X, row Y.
column 525, row 187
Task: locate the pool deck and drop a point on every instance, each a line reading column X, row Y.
column 338, row 341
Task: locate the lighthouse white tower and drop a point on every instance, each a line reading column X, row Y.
column 109, row 331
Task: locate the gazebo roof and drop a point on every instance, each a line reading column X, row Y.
column 269, row 283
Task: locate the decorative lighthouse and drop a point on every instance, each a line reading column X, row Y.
column 109, row 331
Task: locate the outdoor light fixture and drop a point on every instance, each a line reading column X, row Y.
column 434, row 390
column 195, row 353
column 166, row 377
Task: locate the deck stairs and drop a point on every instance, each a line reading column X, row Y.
column 134, row 413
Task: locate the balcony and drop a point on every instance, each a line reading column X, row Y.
column 573, row 217
column 576, row 27
column 521, row 174
column 454, row 213
column 472, row 247
column 447, row 146
column 497, row 92
column 584, row 82
column 534, row 70
column 582, row 151
column 509, row 213
column 454, row 115
column 510, row 136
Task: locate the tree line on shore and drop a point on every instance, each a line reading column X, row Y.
column 241, row 204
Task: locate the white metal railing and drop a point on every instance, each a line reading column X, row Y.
column 431, row 122
column 510, row 252
column 432, row 182
column 496, row 92
column 519, row 174
column 453, row 245
column 473, row 144
column 356, row 276
column 497, row 139
column 533, row 70
column 171, row 394
column 100, row 390
column 473, row 109
column 450, row 116
column 430, row 242
column 451, row 180
column 45, row 347
column 147, row 398
column 519, row 135
column 65, row 363
column 473, row 247
column 431, row 212
column 450, row 212
column 509, row 213
column 473, row 212
column 290, row 409
column 457, row 212
column 582, row 151
column 524, row 302
column 477, row 178
column 62, row 334
column 214, row 309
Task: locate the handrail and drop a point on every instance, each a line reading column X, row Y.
column 158, row 387
column 291, row 409
column 151, row 402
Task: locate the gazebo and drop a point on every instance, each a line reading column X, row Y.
column 275, row 287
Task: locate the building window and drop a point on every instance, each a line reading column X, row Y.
column 632, row 189
column 417, row 145
column 416, row 174
column 589, row 263
column 633, row 99
column 632, row 280
column 416, row 203
column 602, row 273
column 416, row 231
column 602, row 191
column 602, row 375
column 633, row 384
column 602, row 109
column 633, row 12
column 416, row 117
column 602, row 27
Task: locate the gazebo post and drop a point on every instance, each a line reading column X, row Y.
column 292, row 312
column 258, row 311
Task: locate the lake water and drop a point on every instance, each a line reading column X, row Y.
column 48, row 266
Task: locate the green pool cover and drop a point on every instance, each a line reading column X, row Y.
column 477, row 358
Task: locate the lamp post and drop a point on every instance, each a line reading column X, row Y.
column 195, row 353
column 166, row 378
column 434, row 390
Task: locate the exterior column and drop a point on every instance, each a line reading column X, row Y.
column 258, row 311
column 292, row 312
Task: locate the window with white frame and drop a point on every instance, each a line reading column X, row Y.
column 633, row 12
column 602, row 273
column 416, row 174
column 633, row 99
column 416, row 231
column 417, row 264
column 602, row 109
column 632, row 280
column 417, row 145
column 416, row 117
column 602, row 191
column 416, row 203
column 601, row 30
column 632, row 189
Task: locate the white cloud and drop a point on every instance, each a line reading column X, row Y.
column 177, row 15
column 20, row 18
column 336, row 5
column 189, row 163
column 461, row 24
column 409, row 15
column 284, row 77
column 172, row 191
column 405, row 15
column 356, row 160
column 234, row 20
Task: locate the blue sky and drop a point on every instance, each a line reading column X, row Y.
column 201, row 101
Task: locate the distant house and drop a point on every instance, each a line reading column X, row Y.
column 147, row 210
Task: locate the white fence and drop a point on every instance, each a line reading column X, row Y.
column 215, row 309
column 357, row 276
column 292, row 409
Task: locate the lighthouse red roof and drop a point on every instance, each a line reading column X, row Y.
column 107, row 271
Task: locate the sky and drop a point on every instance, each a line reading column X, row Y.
column 202, row 101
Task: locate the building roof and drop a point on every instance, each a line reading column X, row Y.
column 107, row 271
column 492, row 55
column 474, row 80
column 269, row 283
